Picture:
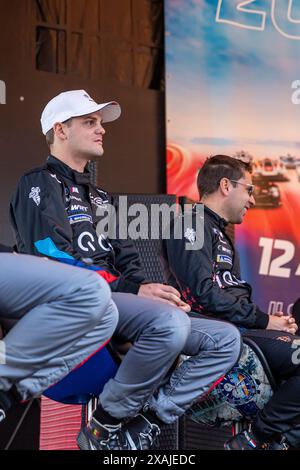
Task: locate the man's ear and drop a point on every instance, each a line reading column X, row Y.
column 59, row 131
column 224, row 186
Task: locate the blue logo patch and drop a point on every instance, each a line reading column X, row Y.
column 73, row 219
column 224, row 259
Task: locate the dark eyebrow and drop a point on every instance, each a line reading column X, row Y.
column 90, row 117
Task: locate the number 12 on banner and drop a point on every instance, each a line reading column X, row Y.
column 277, row 266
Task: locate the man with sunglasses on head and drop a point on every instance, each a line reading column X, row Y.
column 209, row 280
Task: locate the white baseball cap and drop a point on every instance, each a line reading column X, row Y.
column 73, row 104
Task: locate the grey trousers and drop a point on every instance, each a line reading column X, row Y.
column 159, row 333
column 56, row 316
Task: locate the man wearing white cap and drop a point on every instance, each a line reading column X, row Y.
column 54, row 214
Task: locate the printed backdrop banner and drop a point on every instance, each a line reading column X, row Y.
column 233, row 82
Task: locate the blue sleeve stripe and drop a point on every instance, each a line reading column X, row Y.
column 47, row 247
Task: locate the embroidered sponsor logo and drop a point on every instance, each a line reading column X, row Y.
column 75, row 198
column 222, row 238
column 77, row 207
column 35, row 195
column 97, row 201
column 86, row 241
column 286, row 339
column 223, row 248
column 190, row 235
column 221, row 235
column 226, row 278
column 74, row 219
column 224, row 259
column 103, row 195
column 53, row 175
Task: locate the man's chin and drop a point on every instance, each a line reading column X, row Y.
column 94, row 157
column 242, row 216
column 236, row 221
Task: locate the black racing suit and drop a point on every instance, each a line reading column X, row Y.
column 63, row 208
column 55, row 214
column 209, row 280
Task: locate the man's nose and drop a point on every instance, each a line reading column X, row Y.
column 252, row 200
column 100, row 129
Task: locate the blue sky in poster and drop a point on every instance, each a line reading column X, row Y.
column 223, row 78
